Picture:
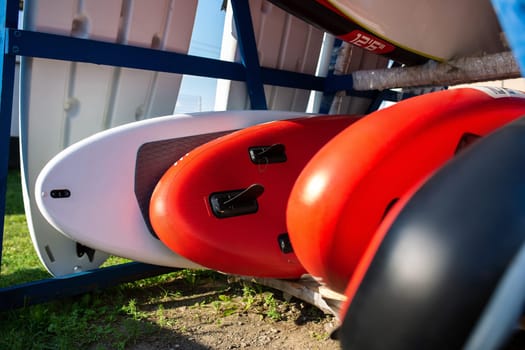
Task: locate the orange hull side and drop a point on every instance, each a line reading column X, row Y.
column 182, row 206
column 344, row 192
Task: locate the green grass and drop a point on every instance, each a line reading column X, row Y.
column 112, row 318
column 20, row 262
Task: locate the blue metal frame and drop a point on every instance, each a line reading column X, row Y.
column 43, row 45
column 250, row 57
column 8, row 18
column 53, row 288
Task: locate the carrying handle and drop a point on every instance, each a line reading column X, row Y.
column 268, row 154
column 237, row 202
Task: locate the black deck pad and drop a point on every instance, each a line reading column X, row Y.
column 154, row 158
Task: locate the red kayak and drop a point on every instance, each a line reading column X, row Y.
column 347, row 188
column 223, row 205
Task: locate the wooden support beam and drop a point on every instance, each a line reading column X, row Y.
column 459, row 71
column 307, row 289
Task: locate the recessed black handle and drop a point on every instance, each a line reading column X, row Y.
column 284, row 243
column 268, row 154
column 60, row 193
column 237, row 202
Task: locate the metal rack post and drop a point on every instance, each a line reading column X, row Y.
column 8, row 19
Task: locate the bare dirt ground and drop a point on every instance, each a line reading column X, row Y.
column 217, row 313
column 203, row 329
column 212, row 311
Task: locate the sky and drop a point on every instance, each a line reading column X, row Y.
column 198, row 93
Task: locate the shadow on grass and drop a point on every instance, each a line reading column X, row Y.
column 127, row 316
column 22, row 276
column 114, row 318
column 141, row 335
column 45, row 326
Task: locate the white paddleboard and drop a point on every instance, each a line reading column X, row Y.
column 440, row 30
column 97, row 191
column 63, row 102
column 408, row 31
